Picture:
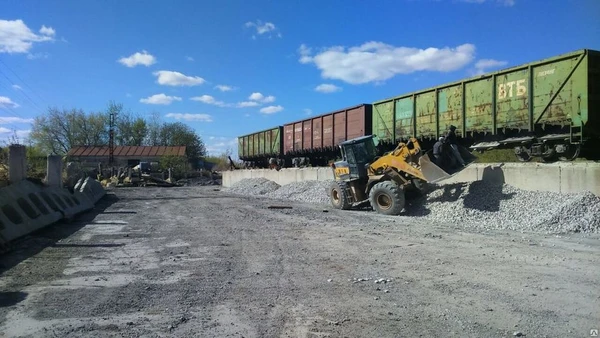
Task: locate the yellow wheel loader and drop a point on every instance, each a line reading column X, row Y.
column 362, row 177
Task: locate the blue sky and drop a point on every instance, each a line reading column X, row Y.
column 229, row 68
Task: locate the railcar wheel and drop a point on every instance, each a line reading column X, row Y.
column 523, row 154
column 338, row 195
column 387, row 198
column 571, row 154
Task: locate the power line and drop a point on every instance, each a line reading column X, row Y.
column 22, row 92
column 18, row 77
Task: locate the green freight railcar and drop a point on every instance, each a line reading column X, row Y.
column 257, row 148
column 547, row 108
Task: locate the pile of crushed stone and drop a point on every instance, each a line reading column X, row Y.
column 477, row 204
column 501, row 206
column 307, row 191
column 253, row 186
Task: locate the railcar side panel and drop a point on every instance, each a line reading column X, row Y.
column 404, row 125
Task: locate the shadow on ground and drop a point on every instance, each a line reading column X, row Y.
column 11, row 298
column 33, row 243
column 484, row 195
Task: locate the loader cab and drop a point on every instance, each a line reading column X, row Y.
column 357, row 154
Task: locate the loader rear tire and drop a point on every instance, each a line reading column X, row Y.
column 387, row 198
column 338, row 195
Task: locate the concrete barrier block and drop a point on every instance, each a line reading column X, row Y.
column 69, row 204
column 533, row 177
column 93, row 189
column 580, row 178
column 288, row 175
column 26, row 212
column 272, row 175
column 325, row 174
column 78, row 184
column 307, row 174
column 554, row 177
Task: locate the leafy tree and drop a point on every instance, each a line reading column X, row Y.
column 129, row 130
column 153, row 130
column 61, row 130
column 58, row 131
column 179, row 134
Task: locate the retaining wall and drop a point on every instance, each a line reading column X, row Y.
column 26, row 206
column 564, row 177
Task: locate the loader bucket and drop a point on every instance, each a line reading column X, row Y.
column 430, row 170
column 466, row 155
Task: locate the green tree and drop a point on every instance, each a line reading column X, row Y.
column 179, row 134
column 129, row 130
column 60, row 130
column 153, row 130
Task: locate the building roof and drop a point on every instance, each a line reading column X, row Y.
column 145, row 151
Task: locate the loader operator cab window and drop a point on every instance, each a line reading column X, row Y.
column 358, row 155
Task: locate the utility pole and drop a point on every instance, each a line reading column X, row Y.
column 111, row 138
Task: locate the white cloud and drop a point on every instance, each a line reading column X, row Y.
column 16, row 37
column 48, row 31
column 218, row 145
column 256, row 99
column 308, row 111
column 259, row 97
column 484, row 65
column 376, row 61
column 191, row 117
column 255, row 96
column 209, row 100
column 21, row 134
column 269, row 99
column 6, row 102
column 271, row 109
column 37, row 56
column 160, row 99
column 305, row 53
column 245, row 104
column 171, row 78
column 224, row 88
column 508, row 3
column 263, row 28
column 189, row 58
column 17, row 87
column 11, row 120
column 327, row 88
column 138, row 58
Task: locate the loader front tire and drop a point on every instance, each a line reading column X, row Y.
column 387, row 198
column 338, row 195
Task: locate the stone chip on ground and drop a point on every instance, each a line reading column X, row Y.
column 477, row 204
column 253, row 186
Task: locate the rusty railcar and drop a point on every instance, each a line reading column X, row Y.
column 257, row 148
column 315, row 139
column 547, row 108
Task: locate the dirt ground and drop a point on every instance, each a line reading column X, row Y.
column 194, row 262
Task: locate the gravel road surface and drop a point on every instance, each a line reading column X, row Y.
column 194, row 262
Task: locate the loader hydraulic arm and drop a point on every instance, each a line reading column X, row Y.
column 403, row 159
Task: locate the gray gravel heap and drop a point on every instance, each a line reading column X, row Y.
column 478, row 204
column 253, row 186
column 494, row 206
column 307, row 191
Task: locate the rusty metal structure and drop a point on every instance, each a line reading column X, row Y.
column 548, row 108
